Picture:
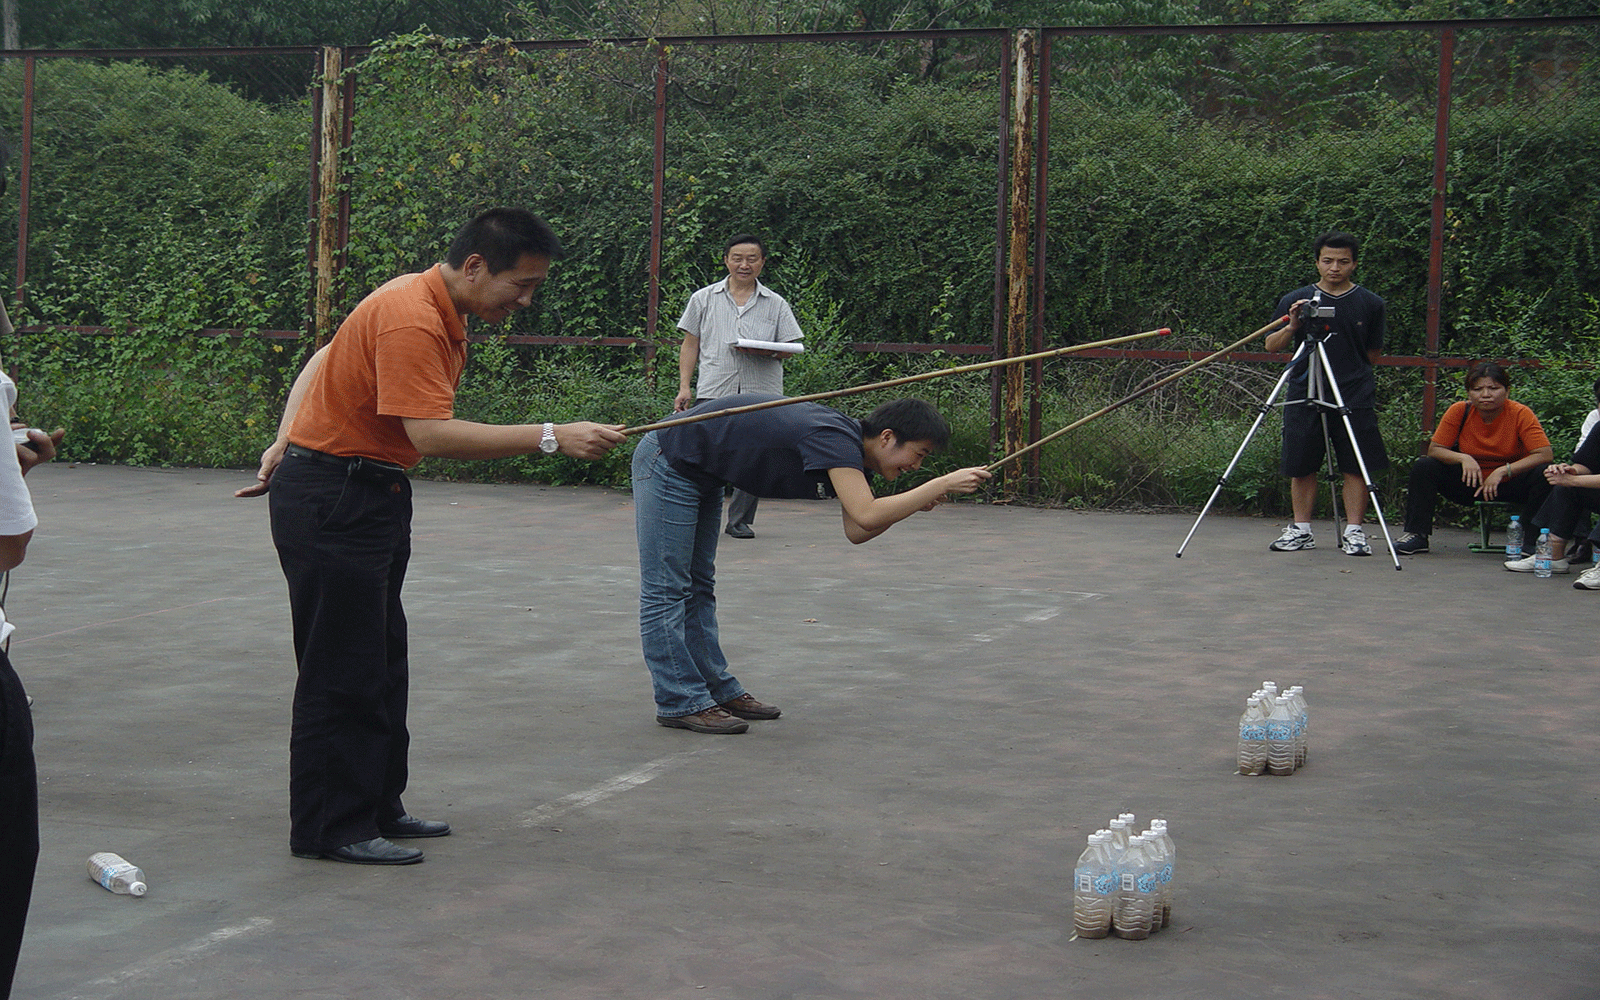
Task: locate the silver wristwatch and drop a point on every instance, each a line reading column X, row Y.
column 547, row 444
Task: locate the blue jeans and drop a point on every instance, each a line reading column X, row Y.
column 678, row 521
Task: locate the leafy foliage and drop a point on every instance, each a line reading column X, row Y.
column 161, row 204
column 1188, row 174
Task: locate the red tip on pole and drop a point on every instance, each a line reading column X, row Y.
column 1165, row 331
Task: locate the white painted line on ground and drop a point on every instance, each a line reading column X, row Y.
column 182, row 955
column 606, row 789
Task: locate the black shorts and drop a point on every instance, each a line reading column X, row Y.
column 1303, row 449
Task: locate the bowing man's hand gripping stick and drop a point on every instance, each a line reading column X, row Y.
column 1152, row 387
column 980, row 366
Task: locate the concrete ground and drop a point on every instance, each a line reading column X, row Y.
column 964, row 700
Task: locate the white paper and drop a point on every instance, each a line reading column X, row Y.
column 790, row 347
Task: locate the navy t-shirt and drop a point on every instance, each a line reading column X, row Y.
column 781, row 453
column 1356, row 327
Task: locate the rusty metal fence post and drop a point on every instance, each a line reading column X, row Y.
column 28, row 65
column 1441, row 154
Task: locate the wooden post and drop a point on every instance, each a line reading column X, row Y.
column 1018, row 286
column 329, row 133
column 658, row 188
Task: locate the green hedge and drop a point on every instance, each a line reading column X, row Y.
column 164, row 203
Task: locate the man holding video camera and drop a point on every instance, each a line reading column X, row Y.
column 1349, row 321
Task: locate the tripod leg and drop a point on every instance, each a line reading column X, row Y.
column 1361, row 461
column 1263, row 410
column 1335, row 479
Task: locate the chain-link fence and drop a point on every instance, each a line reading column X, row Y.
column 1181, row 174
column 1189, row 172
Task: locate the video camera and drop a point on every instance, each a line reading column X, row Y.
column 1314, row 310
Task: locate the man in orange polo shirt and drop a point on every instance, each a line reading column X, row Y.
column 367, row 407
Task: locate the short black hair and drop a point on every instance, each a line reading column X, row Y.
column 910, row 419
column 1339, row 240
column 734, row 241
column 501, row 236
column 1489, row 370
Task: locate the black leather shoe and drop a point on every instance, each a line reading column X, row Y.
column 408, row 827
column 741, row 531
column 376, row 851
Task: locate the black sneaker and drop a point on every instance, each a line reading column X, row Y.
column 1411, row 543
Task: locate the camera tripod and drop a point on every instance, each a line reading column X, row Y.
column 1318, row 384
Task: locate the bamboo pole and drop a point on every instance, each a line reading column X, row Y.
column 1141, row 392
column 905, row 380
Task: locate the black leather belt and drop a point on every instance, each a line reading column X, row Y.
column 352, row 463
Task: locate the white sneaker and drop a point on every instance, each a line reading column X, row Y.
column 1589, row 579
column 1558, row 567
column 1354, row 542
column 1292, row 540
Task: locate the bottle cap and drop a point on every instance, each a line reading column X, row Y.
column 136, row 888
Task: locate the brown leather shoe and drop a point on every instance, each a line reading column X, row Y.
column 713, row 720
column 746, row 707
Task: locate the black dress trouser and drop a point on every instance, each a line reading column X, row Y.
column 1432, row 479
column 343, row 534
column 19, row 819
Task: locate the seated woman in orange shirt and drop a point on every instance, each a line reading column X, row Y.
column 1487, row 448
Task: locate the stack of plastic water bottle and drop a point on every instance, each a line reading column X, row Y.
column 1123, row 882
column 1272, row 731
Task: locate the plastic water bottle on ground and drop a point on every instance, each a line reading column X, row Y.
column 1158, row 861
column 1136, row 896
column 116, row 874
column 1253, row 737
column 1302, row 713
column 1541, row 555
column 1169, row 865
column 1094, row 888
column 1280, row 737
column 1120, row 835
column 1514, row 538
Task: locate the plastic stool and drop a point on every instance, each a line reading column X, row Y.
column 1486, row 525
